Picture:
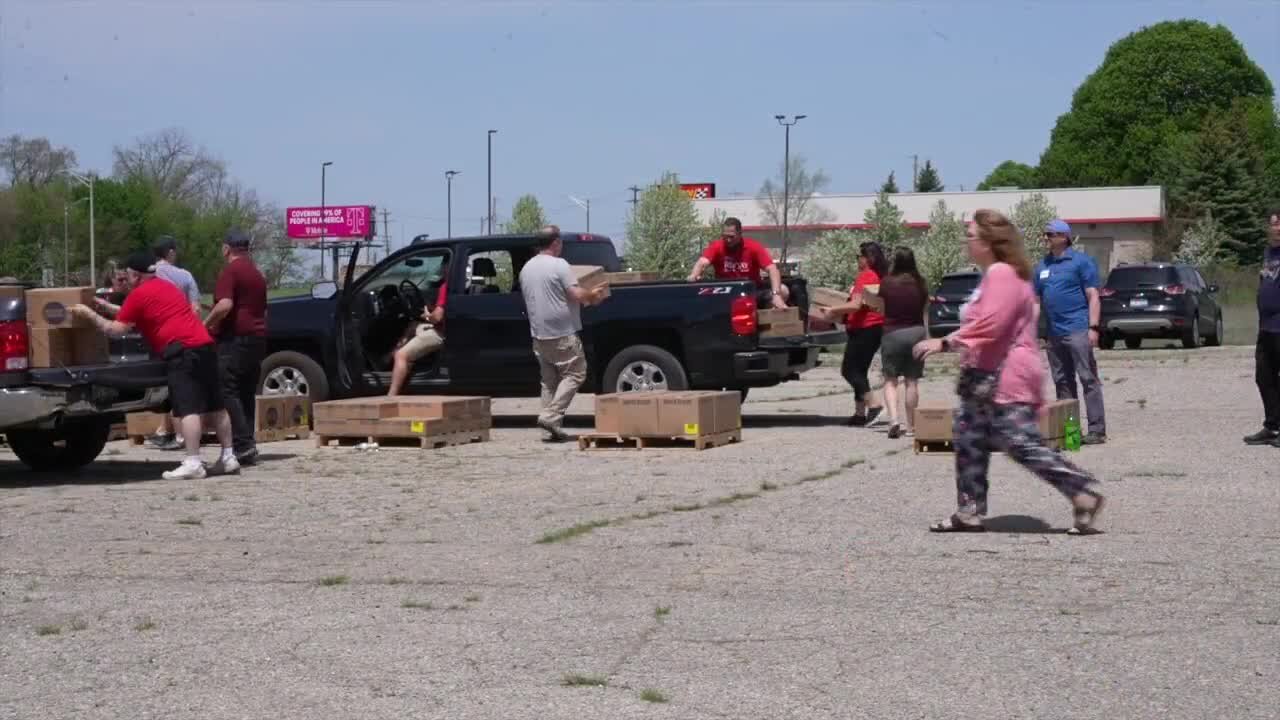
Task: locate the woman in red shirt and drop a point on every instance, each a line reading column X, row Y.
column 864, row 327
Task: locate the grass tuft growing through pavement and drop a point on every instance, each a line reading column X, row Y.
column 580, row 680
column 416, row 605
column 46, row 630
column 653, row 696
column 333, row 580
column 145, row 625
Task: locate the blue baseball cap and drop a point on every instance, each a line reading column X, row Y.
column 1057, row 225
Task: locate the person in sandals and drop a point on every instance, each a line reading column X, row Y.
column 1000, row 382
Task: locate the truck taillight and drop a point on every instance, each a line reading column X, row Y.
column 742, row 315
column 1175, row 289
column 13, row 345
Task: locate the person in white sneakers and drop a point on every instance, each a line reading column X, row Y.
column 164, row 316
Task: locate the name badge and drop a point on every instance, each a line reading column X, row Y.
column 1044, row 274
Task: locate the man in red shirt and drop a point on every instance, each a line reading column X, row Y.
column 428, row 338
column 735, row 257
column 163, row 314
column 239, row 322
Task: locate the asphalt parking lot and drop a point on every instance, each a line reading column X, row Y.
column 789, row 576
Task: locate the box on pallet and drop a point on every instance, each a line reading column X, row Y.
column 52, row 347
column 935, row 422
column 402, row 416
column 668, row 414
column 51, row 307
column 269, row 413
column 627, row 413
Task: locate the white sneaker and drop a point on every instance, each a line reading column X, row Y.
column 225, row 466
column 188, row 470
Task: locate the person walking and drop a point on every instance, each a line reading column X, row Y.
column 1000, row 383
column 239, row 323
column 1066, row 284
column 553, row 302
column 1267, row 356
column 161, row 313
column 903, row 296
column 165, row 250
column 864, row 327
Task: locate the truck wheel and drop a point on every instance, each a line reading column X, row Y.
column 644, row 367
column 292, row 373
column 67, row 447
column 1133, row 343
column 1106, row 341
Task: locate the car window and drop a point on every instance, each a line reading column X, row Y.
column 490, row 273
column 1133, row 278
column 425, row 270
column 958, row 285
column 592, row 253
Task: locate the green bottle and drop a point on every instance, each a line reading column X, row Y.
column 1071, row 437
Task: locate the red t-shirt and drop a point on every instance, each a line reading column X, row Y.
column 866, row 317
column 242, row 283
column 162, row 313
column 743, row 262
column 440, row 299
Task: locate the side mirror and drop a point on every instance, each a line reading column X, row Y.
column 1213, row 288
column 324, row 290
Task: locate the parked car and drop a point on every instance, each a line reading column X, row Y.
column 646, row 336
column 1159, row 300
column 58, row 419
column 944, row 305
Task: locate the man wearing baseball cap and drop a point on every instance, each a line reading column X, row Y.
column 1066, row 282
column 239, row 322
column 163, row 315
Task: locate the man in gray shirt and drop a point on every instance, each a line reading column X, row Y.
column 166, row 252
column 553, row 302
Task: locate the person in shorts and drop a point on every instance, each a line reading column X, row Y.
column 904, row 296
column 163, row 315
column 427, row 339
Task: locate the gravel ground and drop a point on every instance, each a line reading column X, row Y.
column 789, row 576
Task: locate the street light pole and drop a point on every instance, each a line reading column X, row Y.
column 88, row 180
column 489, row 208
column 323, row 167
column 448, row 178
column 786, row 177
column 585, row 205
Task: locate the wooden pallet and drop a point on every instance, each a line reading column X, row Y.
column 604, row 441
column 278, row 434
column 425, row 442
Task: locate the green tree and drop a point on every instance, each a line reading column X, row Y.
column 890, row 185
column 664, row 235
column 1202, row 244
column 941, row 249
column 832, row 259
column 929, row 180
column 1211, row 172
column 1010, row 173
column 1030, row 216
column 1151, row 86
column 526, row 216
column 888, row 226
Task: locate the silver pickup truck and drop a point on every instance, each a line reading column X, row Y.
column 59, row 419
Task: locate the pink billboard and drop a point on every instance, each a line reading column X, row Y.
column 334, row 221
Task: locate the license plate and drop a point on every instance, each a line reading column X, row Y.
column 1138, row 302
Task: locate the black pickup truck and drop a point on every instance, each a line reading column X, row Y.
column 646, row 336
column 58, row 419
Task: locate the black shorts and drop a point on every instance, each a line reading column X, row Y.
column 195, row 387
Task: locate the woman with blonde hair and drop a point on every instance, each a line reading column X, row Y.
column 1000, row 384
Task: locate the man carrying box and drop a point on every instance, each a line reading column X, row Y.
column 162, row 313
column 553, row 302
column 740, row 258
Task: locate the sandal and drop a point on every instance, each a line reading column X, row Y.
column 955, row 524
column 1085, row 518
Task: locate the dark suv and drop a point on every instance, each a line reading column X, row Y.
column 1159, row 300
column 944, row 304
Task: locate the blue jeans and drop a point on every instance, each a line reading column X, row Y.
column 1071, row 356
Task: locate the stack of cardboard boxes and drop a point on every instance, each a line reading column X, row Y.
column 933, row 424
column 690, row 414
column 780, row 323
column 590, row 276
column 278, row 417
column 58, row 338
column 422, row 416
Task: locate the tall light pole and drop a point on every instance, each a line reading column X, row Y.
column 323, row 167
column 88, row 180
column 585, row 205
column 786, row 176
column 66, row 242
column 489, row 208
column 448, row 179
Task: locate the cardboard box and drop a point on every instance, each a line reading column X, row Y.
column 1053, row 420
column 405, row 416
column 686, row 413
column 142, row 423
column 826, row 297
column 624, row 278
column 591, row 276
column 934, row 422
column 269, row 413
column 728, row 411
column 51, row 307
column 353, row 409
column 628, row 414
column 780, row 323
column 66, row 347
column 432, row 406
column 297, row 410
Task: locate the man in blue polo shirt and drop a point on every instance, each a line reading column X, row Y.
column 1066, row 282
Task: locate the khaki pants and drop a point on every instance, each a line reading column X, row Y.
column 425, row 340
column 564, row 368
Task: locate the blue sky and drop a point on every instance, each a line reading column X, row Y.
column 588, row 98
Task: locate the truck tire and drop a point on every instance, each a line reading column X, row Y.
column 641, row 368
column 68, row 447
column 292, row 373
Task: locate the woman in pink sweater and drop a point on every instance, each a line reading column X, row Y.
column 1000, row 382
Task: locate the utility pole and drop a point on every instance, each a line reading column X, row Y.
column 324, row 166
column 786, row 177
column 635, row 199
column 386, row 235
column 448, row 176
column 915, row 172
column 585, row 205
column 489, row 209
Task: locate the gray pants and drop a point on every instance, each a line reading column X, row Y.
column 564, row 368
column 1071, row 356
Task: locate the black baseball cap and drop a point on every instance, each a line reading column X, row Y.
column 164, row 245
column 238, row 239
column 142, row 262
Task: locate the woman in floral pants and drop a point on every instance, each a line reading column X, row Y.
column 1000, row 382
